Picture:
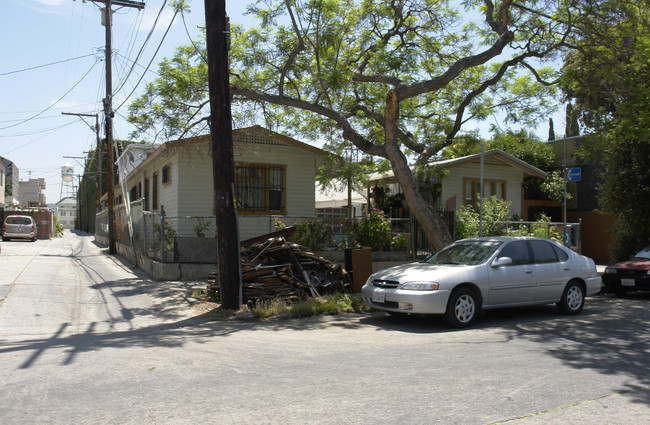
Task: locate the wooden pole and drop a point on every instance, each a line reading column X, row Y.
column 108, row 114
column 228, row 251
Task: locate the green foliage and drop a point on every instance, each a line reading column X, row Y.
column 372, row 231
column 170, row 233
column 332, row 304
column 494, row 210
column 607, row 81
column 201, row 226
column 278, row 224
column 332, row 72
column 58, row 228
column 625, row 192
column 468, row 220
column 314, row 234
column 399, row 243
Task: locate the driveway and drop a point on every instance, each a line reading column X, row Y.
column 85, row 339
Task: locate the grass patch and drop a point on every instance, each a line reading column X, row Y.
column 330, row 304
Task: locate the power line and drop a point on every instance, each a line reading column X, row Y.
column 146, row 41
column 150, row 62
column 44, row 65
column 29, row 133
column 57, row 101
column 37, row 139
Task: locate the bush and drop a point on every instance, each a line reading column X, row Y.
column 314, row 234
column 373, row 231
column 467, row 220
column 399, row 242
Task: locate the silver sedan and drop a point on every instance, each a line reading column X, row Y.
column 485, row 273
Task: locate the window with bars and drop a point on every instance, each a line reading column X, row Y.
column 146, row 194
column 166, row 175
column 260, row 188
column 154, row 192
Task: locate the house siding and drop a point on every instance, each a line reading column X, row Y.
column 190, row 192
column 452, row 184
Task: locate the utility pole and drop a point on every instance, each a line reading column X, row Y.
column 80, row 224
column 98, row 154
column 228, row 252
column 108, row 113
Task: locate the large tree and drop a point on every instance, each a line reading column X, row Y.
column 607, row 78
column 398, row 80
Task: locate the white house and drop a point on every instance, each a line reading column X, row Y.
column 67, row 212
column 503, row 177
column 274, row 176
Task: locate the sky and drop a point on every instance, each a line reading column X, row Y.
column 52, row 61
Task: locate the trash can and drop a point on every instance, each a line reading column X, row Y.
column 358, row 262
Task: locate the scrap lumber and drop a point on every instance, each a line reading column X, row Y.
column 274, row 268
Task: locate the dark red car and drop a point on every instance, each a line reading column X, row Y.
column 630, row 275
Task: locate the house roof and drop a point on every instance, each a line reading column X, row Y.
column 240, row 131
column 491, row 155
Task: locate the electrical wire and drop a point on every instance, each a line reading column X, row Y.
column 54, row 103
column 150, row 62
column 37, row 139
column 29, row 133
column 44, row 65
column 146, row 41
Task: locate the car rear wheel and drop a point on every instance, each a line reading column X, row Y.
column 462, row 309
column 573, row 298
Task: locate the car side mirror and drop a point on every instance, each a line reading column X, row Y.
column 502, row 261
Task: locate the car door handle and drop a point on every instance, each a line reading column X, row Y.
column 528, row 271
column 566, row 268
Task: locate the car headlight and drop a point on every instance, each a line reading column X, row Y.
column 610, row 271
column 420, row 286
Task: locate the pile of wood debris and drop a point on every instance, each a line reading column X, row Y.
column 277, row 268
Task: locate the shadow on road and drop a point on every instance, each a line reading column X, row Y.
column 609, row 336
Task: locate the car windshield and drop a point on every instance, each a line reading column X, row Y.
column 644, row 253
column 465, row 253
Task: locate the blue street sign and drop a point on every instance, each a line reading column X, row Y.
column 573, row 174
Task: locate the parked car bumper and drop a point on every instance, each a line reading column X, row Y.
column 594, row 285
column 617, row 282
column 406, row 301
column 8, row 235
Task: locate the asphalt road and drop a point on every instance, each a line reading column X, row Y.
column 86, row 340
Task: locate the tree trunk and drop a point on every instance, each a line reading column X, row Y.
column 434, row 227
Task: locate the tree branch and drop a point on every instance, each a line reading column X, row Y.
column 294, row 53
column 412, row 90
column 349, row 133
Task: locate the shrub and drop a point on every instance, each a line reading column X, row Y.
column 312, row 233
column 373, row 231
column 467, row 219
column 399, row 242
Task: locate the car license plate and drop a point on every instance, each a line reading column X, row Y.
column 627, row 282
column 378, row 297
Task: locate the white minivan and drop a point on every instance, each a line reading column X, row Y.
column 19, row 227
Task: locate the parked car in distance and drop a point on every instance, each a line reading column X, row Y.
column 485, row 273
column 19, row 227
column 630, row 275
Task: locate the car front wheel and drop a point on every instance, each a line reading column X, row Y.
column 573, row 299
column 462, row 309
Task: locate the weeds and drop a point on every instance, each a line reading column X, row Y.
column 331, row 304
